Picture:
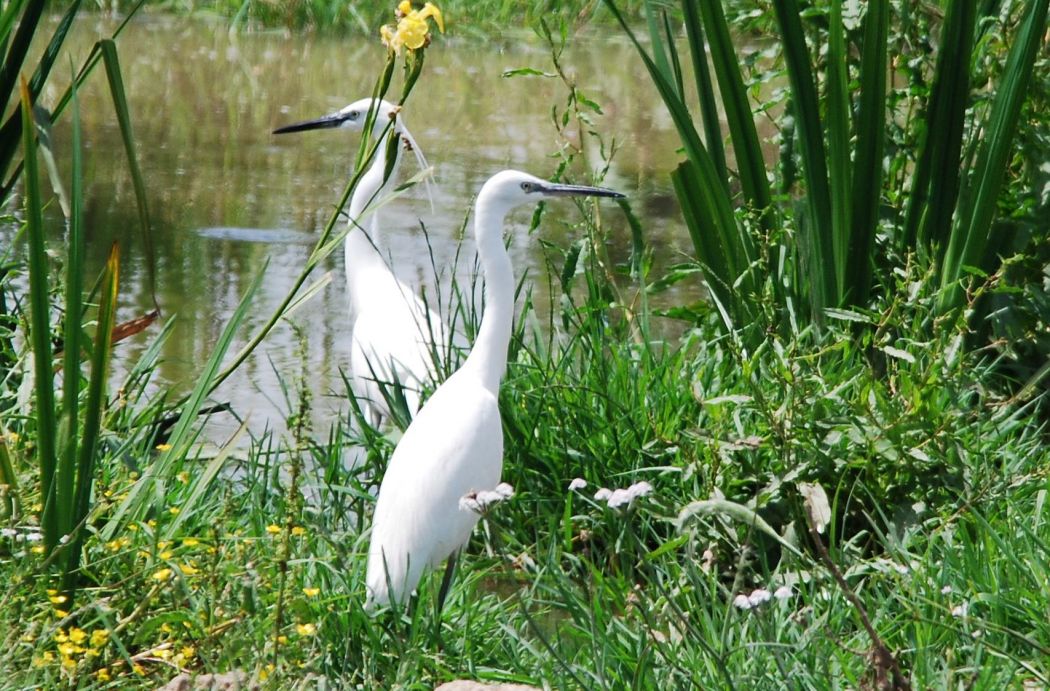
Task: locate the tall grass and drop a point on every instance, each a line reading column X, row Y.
column 823, row 241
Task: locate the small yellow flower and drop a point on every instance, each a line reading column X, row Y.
column 307, row 629
column 67, row 649
column 165, row 555
column 57, row 599
column 311, row 592
column 162, row 575
column 298, row 531
column 99, row 637
column 103, row 675
column 273, row 529
column 189, row 570
column 77, row 635
column 61, row 613
column 163, row 447
column 174, row 511
column 183, row 477
column 60, row 636
column 45, row 658
column 412, row 30
column 69, row 663
column 162, row 653
column 188, row 652
column 138, row 669
column 37, row 549
column 166, row 628
column 190, row 542
column 282, row 639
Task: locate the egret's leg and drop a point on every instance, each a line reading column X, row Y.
column 446, row 580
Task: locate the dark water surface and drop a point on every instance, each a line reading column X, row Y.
column 226, row 195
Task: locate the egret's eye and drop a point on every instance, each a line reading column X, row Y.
column 353, row 114
column 527, row 187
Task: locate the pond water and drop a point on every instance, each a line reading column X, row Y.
column 226, row 195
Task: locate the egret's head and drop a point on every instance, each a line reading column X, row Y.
column 352, row 117
column 511, row 188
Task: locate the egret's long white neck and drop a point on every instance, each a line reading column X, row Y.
column 488, row 357
column 364, row 262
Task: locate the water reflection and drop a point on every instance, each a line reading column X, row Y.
column 226, row 195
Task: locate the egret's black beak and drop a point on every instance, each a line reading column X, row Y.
column 321, row 123
column 558, row 190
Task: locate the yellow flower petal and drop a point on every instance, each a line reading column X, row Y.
column 431, row 10
column 404, row 7
column 273, row 529
column 311, row 592
column 162, row 575
column 307, row 629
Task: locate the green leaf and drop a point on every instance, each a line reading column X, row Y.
column 39, row 326
column 120, row 105
column 866, row 193
column 817, row 225
column 978, row 201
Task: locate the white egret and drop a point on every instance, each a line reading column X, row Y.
column 454, row 446
column 394, row 335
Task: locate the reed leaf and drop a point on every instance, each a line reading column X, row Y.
column 837, row 109
column 870, row 127
column 120, row 106
column 705, row 90
column 68, row 431
column 9, row 133
column 978, row 200
column 817, row 224
column 747, row 150
column 93, row 407
column 39, row 325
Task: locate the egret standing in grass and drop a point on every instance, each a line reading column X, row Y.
column 395, row 336
column 454, row 446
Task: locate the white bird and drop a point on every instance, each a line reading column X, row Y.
column 454, row 446
column 395, row 337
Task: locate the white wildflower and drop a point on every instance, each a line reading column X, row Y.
column 946, row 590
column 8, row 532
column 741, row 601
column 603, row 494
column 619, row 497
column 577, row 484
column 33, row 537
column 479, row 502
column 758, row 596
column 960, row 610
column 639, row 489
column 783, row 592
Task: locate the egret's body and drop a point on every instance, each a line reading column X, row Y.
column 394, row 335
column 454, row 446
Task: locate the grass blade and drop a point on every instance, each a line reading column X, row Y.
column 135, row 504
column 870, row 148
column 39, row 325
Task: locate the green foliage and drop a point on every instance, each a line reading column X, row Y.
column 823, row 249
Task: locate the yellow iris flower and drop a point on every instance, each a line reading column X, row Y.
column 412, row 30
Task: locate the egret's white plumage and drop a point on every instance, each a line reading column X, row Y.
column 454, row 446
column 394, row 335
